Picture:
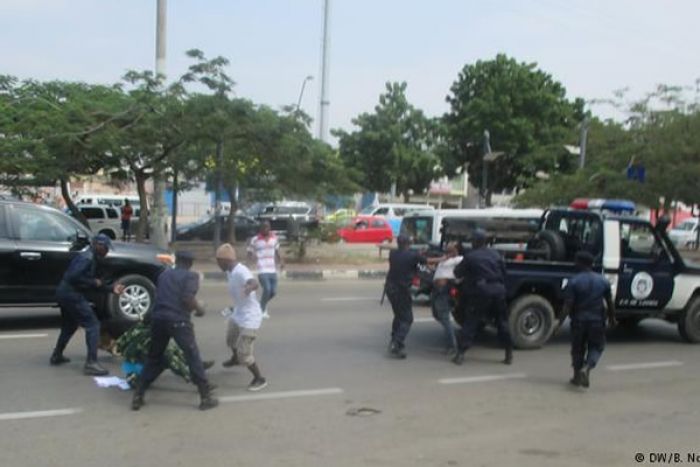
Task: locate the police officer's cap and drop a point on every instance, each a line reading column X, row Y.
column 184, row 256
column 584, row 258
column 479, row 235
column 104, row 240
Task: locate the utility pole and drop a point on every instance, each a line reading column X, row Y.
column 158, row 219
column 582, row 143
column 324, row 103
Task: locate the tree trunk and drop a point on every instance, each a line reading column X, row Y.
column 143, row 201
column 231, row 223
column 71, row 205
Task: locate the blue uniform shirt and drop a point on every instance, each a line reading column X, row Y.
column 484, row 273
column 80, row 275
column 174, row 287
column 586, row 291
column 402, row 266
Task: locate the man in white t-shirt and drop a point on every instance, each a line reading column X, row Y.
column 443, row 279
column 246, row 318
column 264, row 249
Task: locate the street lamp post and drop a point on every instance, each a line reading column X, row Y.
column 301, row 93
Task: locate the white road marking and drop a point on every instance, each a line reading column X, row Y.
column 349, row 299
column 644, row 366
column 282, row 395
column 482, row 378
column 39, row 414
column 21, row 336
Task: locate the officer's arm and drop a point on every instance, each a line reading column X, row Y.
column 460, row 270
column 189, row 293
column 569, row 299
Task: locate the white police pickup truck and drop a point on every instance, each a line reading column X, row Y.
column 649, row 277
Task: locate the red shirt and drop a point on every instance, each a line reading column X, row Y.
column 127, row 212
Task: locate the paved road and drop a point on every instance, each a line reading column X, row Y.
column 323, row 353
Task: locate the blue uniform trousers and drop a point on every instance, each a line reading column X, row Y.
column 77, row 311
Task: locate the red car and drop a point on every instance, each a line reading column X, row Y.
column 367, row 229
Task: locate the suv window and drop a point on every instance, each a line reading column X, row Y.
column 112, row 213
column 93, row 213
column 40, row 225
column 637, row 241
column 381, row 212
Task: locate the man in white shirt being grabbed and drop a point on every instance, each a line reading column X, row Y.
column 443, row 280
column 247, row 314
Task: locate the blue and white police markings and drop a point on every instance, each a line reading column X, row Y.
column 642, row 285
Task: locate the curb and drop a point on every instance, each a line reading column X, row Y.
column 317, row 275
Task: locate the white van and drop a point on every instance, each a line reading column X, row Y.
column 505, row 225
column 108, row 200
column 394, row 213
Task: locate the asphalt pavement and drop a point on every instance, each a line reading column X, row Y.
column 335, row 399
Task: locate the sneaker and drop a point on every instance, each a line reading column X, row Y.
column 509, row 358
column 265, row 314
column 233, row 361
column 208, row 402
column 137, row 401
column 94, row 369
column 58, row 359
column 257, row 384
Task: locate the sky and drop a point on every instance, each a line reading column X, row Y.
column 593, row 47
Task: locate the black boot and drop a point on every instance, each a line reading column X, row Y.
column 57, row 358
column 92, row 368
column 458, row 358
column 137, row 401
column 397, row 350
column 207, row 399
column 585, row 376
column 509, row 357
column 208, row 364
column 576, row 380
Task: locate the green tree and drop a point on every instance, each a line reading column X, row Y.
column 526, row 113
column 393, row 145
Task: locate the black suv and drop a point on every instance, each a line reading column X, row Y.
column 36, row 245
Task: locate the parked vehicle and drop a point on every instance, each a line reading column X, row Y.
column 102, row 219
column 394, row 213
column 203, row 229
column 649, row 277
column 108, row 200
column 279, row 215
column 685, row 234
column 367, row 229
column 38, row 242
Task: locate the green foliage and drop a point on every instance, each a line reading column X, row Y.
column 395, row 144
column 526, row 113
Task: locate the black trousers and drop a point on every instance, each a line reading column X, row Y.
column 402, row 306
column 76, row 311
column 587, row 343
column 161, row 333
column 482, row 309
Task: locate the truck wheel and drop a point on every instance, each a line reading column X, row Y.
column 629, row 323
column 689, row 322
column 531, row 321
column 552, row 243
column 137, row 300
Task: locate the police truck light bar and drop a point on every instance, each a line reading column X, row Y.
column 614, row 205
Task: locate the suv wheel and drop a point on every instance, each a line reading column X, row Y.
column 531, row 321
column 137, row 300
column 689, row 322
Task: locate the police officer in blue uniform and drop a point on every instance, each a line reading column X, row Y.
column 403, row 264
column 483, row 271
column 78, row 280
column 175, row 300
column 584, row 297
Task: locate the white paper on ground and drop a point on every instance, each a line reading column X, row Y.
column 112, row 381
